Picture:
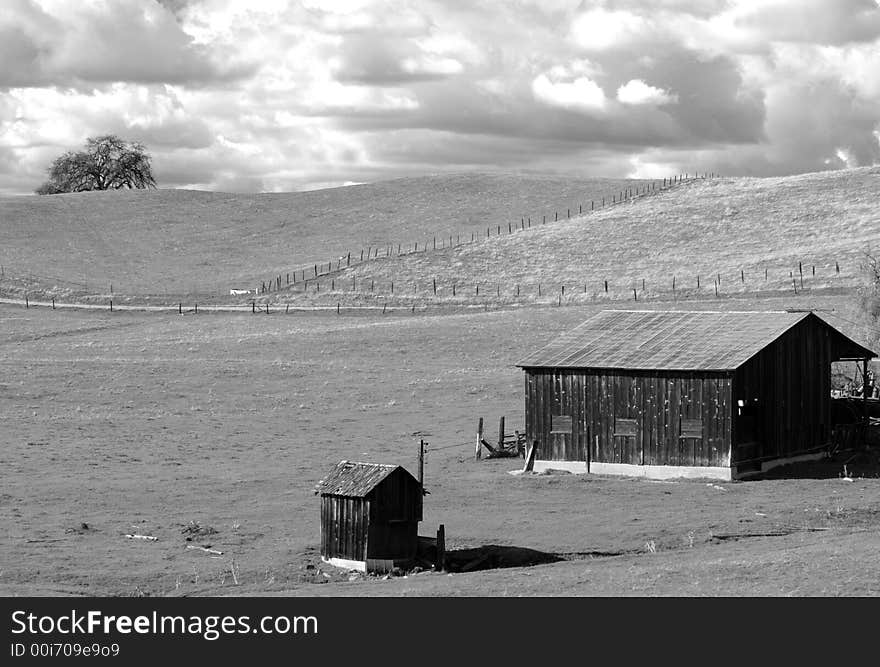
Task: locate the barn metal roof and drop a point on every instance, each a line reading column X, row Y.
column 354, row 479
column 668, row 340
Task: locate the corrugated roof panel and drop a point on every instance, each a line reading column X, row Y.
column 665, row 340
column 354, row 479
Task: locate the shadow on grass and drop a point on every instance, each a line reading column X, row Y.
column 851, row 464
column 491, row 556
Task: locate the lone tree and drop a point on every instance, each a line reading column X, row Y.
column 107, row 163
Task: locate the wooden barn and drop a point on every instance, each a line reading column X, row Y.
column 693, row 394
column 370, row 515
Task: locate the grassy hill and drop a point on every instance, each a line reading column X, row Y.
column 180, row 242
column 755, row 235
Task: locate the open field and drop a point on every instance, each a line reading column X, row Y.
column 216, row 428
column 183, row 242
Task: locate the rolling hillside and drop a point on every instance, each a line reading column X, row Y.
column 756, row 235
column 183, row 242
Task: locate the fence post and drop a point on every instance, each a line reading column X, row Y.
column 478, row 452
column 440, row 565
column 501, row 433
column 53, row 303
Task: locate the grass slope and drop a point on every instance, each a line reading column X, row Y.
column 183, row 242
column 704, row 228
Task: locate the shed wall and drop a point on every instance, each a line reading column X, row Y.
column 344, row 527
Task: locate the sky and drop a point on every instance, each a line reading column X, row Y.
column 269, row 96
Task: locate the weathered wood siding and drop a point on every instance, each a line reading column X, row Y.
column 344, row 527
column 397, row 498
column 786, row 395
column 384, row 524
column 657, row 401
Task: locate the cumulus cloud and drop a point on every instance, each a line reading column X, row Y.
column 289, row 94
column 636, row 92
column 570, row 87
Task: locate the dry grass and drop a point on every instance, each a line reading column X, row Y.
column 180, row 243
column 735, row 229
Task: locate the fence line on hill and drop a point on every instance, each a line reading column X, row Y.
column 318, row 270
column 422, row 295
column 797, row 280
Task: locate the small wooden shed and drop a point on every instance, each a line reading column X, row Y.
column 370, row 515
column 669, row 394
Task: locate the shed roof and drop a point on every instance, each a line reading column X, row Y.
column 355, row 479
column 671, row 340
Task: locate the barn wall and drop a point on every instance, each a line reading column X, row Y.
column 344, row 527
column 657, row 401
column 786, row 395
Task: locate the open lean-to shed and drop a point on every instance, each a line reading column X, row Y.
column 370, row 515
column 672, row 394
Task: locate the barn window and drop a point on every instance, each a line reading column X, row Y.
column 560, row 424
column 691, row 428
column 625, row 428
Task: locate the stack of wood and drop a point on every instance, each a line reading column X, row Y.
column 507, row 446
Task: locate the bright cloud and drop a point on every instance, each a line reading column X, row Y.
column 638, row 92
column 569, row 87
